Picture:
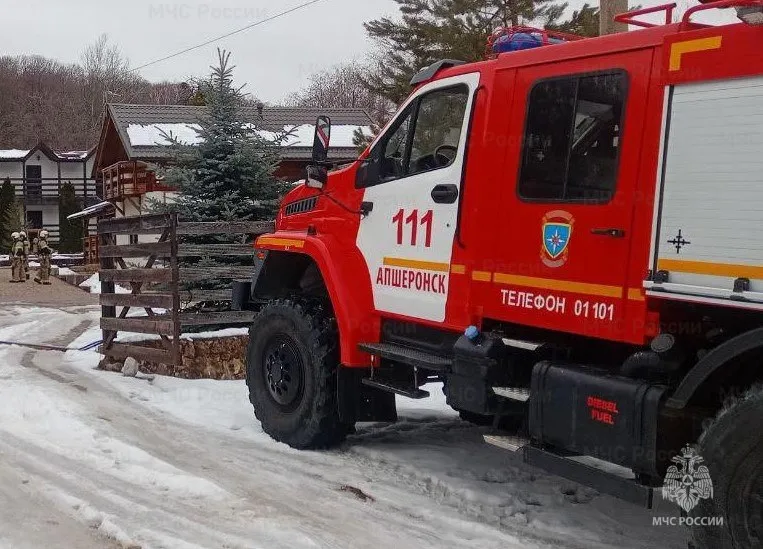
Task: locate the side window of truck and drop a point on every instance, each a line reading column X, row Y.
column 437, row 135
column 393, row 156
column 426, row 137
column 572, row 138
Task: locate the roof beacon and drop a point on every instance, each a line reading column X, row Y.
column 509, row 39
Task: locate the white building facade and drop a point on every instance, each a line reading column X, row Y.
column 38, row 175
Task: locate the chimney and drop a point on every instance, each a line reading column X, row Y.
column 607, row 11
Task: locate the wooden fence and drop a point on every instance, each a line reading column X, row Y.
column 156, row 284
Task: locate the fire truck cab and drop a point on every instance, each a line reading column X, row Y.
column 569, row 237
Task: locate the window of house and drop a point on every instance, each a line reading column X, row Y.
column 133, row 239
column 33, row 180
column 425, row 137
column 572, row 138
column 34, row 219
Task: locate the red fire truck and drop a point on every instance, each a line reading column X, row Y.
column 569, row 235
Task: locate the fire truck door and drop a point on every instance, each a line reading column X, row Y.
column 413, row 179
column 569, row 241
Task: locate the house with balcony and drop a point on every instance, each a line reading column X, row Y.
column 133, row 145
column 37, row 176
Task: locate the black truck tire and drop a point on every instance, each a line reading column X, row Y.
column 291, row 372
column 733, row 451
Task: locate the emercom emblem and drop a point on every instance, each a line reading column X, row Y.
column 688, row 482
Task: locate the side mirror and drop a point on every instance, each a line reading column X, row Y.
column 317, row 177
column 322, row 139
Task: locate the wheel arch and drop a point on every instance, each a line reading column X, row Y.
column 707, row 370
column 347, row 286
column 282, row 274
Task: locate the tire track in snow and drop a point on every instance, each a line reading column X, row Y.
column 279, row 495
column 91, row 477
column 495, row 487
column 272, row 488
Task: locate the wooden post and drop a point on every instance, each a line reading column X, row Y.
column 608, row 10
column 107, row 311
column 175, row 286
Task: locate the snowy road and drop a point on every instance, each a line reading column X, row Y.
column 92, row 459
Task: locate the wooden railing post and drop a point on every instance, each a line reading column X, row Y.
column 174, row 265
column 107, row 311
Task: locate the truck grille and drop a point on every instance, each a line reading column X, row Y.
column 301, row 206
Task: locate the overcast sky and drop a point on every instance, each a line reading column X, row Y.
column 274, row 59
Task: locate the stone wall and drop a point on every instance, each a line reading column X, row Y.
column 221, row 358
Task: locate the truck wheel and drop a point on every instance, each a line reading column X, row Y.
column 733, row 451
column 291, row 373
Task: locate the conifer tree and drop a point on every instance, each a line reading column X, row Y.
column 430, row 30
column 14, row 217
column 7, row 200
column 583, row 22
column 71, row 232
column 229, row 174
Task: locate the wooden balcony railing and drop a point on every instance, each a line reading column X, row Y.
column 90, row 248
column 129, row 179
column 48, row 190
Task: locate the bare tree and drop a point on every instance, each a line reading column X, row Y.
column 342, row 87
column 104, row 61
column 107, row 76
column 40, row 99
column 171, row 93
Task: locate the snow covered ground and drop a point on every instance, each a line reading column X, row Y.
column 90, row 459
column 93, row 285
column 63, row 271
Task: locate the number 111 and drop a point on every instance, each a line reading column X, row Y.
column 413, row 220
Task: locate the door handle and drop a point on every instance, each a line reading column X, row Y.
column 613, row 233
column 445, row 194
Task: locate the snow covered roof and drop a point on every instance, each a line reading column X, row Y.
column 297, row 136
column 75, row 155
column 14, row 154
column 17, row 155
column 140, row 128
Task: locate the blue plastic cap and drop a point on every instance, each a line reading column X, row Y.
column 472, row 332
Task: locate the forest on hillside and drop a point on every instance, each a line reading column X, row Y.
column 61, row 104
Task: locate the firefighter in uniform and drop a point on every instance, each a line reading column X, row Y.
column 17, row 259
column 43, row 252
column 25, row 242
